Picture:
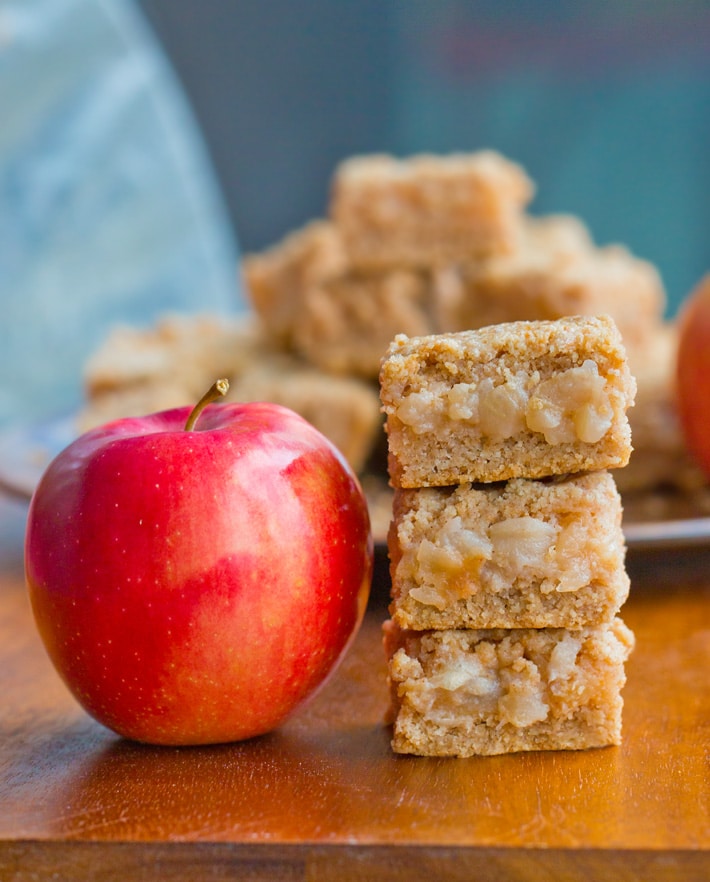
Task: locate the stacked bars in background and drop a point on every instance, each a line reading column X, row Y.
column 438, row 244
column 432, row 244
column 420, row 245
column 506, row 546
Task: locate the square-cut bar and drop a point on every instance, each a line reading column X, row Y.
column 347, row 323
column 518, row 554
column 484, row 692
column 515, row 400
column 311, row 301
column 425, row 210
column 557, row 270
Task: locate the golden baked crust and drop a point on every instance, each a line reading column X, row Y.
column 523, row 399
column 521, row 554
column 426, row 210
column 476, row 692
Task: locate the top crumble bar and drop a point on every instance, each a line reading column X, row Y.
column 515, row 400
column 426, row 210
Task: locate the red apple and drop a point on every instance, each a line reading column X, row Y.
column 693, row 372
column 196, row 585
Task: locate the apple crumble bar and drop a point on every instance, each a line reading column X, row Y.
column 522, row 399
column 520, row 554
column 484, row 692
column 278, row 278
column 139, row 371
column 556, row 271
column 347, row 323
column 312, row 302
column 426, row 210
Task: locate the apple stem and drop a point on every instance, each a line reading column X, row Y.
column 216, row 390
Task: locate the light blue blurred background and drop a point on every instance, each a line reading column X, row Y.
column 109, row 208
column 144, row 145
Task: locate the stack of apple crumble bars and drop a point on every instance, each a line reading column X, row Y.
column 506, row 547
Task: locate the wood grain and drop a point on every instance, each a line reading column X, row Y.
column 324, row 798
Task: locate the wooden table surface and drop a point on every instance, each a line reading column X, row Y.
column 324, row 798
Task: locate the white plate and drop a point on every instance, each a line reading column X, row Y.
column 26, row 451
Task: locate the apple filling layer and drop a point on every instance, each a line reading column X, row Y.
column 574, row 405
column 524, row 553
column 459, row 561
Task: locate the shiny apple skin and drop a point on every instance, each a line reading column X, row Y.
column 197, row 587
column 693, row 373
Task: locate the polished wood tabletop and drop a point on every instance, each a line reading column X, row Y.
column 325, row 798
